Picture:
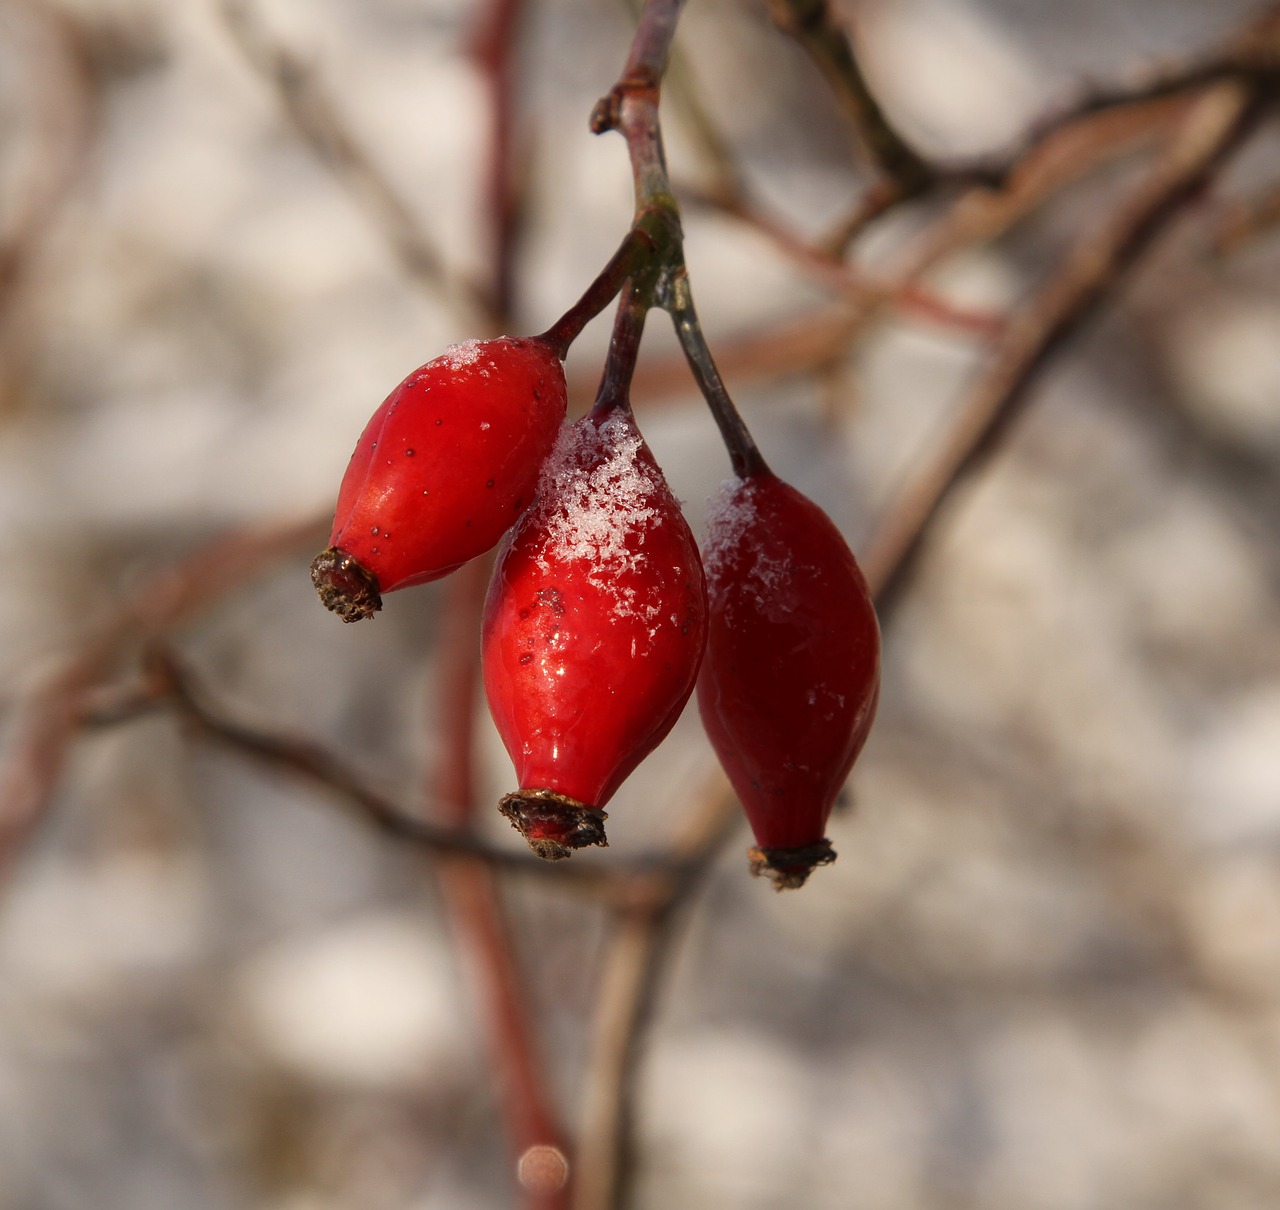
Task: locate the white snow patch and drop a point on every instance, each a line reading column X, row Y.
column 731, row 516
column 596, row 502
column 460, row 356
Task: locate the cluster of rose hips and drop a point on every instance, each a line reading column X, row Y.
column 601, row 615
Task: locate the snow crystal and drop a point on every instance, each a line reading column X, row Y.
column 731, row 514
column 459, row 356
column 596, row 500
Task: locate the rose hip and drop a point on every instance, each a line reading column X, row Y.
column 594, row 628
column 442, row 470
column 791, row 678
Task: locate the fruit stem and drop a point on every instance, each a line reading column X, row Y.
column 624, row 349
column 637, row 245
column 744, row 454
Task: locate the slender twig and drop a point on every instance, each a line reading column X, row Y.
column 828, row 268
column 636, row 245
column 743, row 452
column 169, row 683
column 624, row 349
column 1251, row 55
column 1090, row 273
column 827, row 43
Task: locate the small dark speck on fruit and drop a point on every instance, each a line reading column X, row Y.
column 526, row 658
column 408, row 453
column 439, row 421
column 489, row 483
column 374, row 531
column 374, row 549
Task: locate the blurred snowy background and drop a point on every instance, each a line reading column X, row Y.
column 1044, row 973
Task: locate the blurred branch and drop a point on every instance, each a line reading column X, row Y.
column 168, row 683
column 319, row 123
column 494, row 50
column 53, row 64
column 471, row 896
column 1251, row 55
column 1087, row 276
column 48, row 716
column 830, row 269
column 629, row 984
column 827, row 43
column 1248, row 220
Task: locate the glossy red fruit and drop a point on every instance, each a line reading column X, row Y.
column 789, row 685
column 442, row 470
column 594, row 627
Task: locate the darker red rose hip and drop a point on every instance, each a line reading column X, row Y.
column 791, row 677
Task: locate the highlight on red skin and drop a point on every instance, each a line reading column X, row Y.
column 791, row 677
column 442, row 470
column 594, row 628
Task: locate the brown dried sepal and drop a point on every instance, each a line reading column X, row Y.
column 554, row 824
column 346, row 587
column 789, row 869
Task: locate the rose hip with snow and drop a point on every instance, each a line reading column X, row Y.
column 594, row 628
column 442, row 470
column 789, row 685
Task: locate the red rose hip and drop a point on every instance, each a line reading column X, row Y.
column 594, row 628
column 442, row 470
column 791, row 677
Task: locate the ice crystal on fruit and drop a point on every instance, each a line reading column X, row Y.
column 737, row 539
column 459, row 356
column 596, row 501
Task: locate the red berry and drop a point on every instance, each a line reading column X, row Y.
column 789, row 686
column 593, row 631
column 442, row 470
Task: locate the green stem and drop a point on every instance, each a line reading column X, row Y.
column 743, row 451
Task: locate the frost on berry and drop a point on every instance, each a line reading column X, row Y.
column 597, row 502
column 789, row 685
column 594, row 629
column 442, row 470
